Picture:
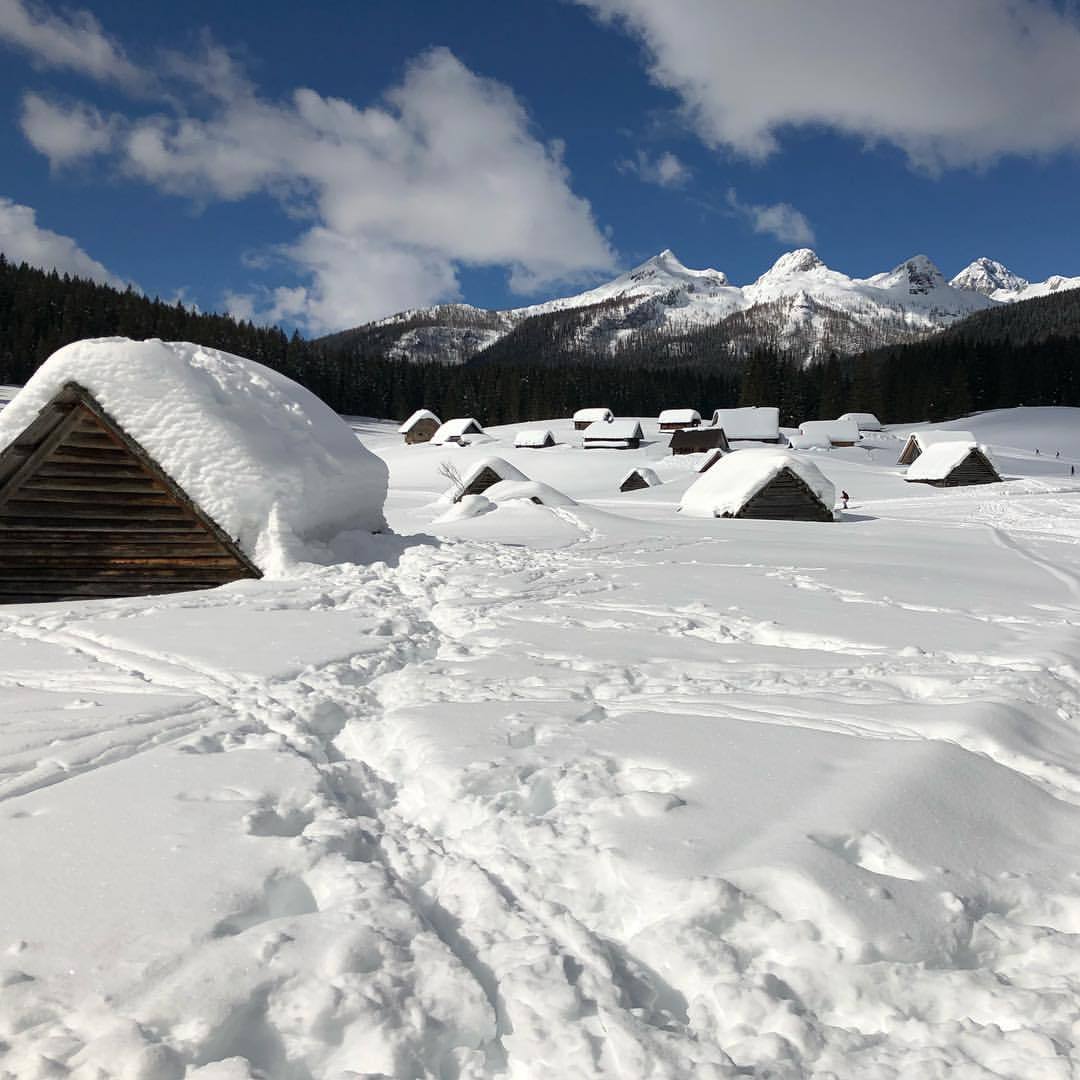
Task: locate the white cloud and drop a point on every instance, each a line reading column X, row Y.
column 64, row 133
column 667, row 170
column 780, row 220
column 75, row 42
column 445, row 171
column 23, row 240
column 953, row 84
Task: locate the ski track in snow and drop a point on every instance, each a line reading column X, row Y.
column 435, row 918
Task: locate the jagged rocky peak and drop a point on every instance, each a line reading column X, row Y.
column 800, row 261
column 668, row 265
column 921, row 274
column 987, row 276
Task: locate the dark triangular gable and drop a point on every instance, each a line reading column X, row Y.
column 485, row 478
column 86, row 512
column 634, row 482
column 910, row 451
column 786, row 497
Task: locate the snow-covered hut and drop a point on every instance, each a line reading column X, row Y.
column 613, row 435
column 420, row 427
column 953, row 464
column 456, row 430
column 675, row 419
column 919, row 441
column 864, row 421
column 534, row 439
column 770, row 484
column 639, row 478
column 137, row 467
column 483, row 474
column 836, row 432
column 752, row 423
column 584, row 417
column 698, row 441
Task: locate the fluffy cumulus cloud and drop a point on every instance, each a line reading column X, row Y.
column 666, row 170
column 444, row 171
column 780, row 220
column 23, row 240
column 953, row 84
column 74, row 41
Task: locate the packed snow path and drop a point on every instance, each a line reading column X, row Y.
column 645, row 797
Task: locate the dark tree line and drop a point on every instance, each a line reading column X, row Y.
column 948, row 375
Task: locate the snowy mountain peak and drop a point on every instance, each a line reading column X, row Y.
column 917, row 276
column 668, row 265
column 800, row 261
column 987, row 276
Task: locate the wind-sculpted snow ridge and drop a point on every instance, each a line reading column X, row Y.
column 568, row 793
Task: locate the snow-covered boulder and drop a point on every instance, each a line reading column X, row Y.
column 274, row 466
column 761, row 483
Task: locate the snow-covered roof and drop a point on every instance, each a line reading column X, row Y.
column 646, row 474
column 938, row 460
column 456, row 428
column 736, row 478
column 499, row 466
column 749, row 422
column 508, row 490
column 679, row 416
column 615, row 430
column 926, row 439
column 276, row 468
column 809, row 442
column 533, row 437
column 420, row 414
column 866, row 421
column 591, row 416
column 833, row 430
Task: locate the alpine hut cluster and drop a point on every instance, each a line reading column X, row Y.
column 129, row 468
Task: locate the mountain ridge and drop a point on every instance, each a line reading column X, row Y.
column 799, row 305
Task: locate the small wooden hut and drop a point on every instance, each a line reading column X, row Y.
column 749, row 423
column 766, row 484
column 919, row 441
column 613, row 435
column 639, row 479
column 484, row 474
column 456, row 431
column 420, row 427
column 698, row 441
column 534, row 439
column 953, row 464
column 830, row 432
column 676, row 419
column 865, row 421
column 584, row 417
column 86, row 512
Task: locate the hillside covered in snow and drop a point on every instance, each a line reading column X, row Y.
column 583, row 788
column 665, row 309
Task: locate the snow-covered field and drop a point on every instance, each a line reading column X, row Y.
column 590, row 790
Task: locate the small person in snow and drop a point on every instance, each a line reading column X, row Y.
column 844, row 497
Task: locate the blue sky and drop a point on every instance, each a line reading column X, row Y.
column 502, row 153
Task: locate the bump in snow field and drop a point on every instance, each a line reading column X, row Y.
column 586, row 789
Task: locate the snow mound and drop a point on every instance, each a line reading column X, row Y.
column 468, row 506
column 735, row 478
column 509, row 490
column 834, row 431
column 938, row 460
column 272, row 464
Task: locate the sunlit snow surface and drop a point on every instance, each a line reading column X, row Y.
column 570, row 791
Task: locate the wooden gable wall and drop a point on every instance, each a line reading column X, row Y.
column 85, row 512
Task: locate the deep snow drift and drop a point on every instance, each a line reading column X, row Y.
column 595, row 789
